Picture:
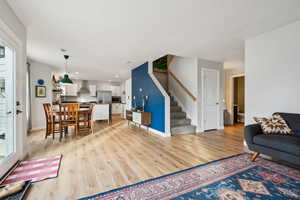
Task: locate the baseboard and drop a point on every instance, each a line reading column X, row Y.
column 151, row 130
column 37, row 128
column 156, row 132
column 199, row 130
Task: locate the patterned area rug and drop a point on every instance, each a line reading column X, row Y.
column 34, row 170
column 233, row 178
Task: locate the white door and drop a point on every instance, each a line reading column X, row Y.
column 211, row 109
column 8, row 150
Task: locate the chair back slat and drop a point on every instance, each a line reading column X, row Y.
column 48, row 112
column 69, row 112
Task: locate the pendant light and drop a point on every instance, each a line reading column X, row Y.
column 66, row 80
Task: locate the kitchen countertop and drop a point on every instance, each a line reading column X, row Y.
column 83, row 102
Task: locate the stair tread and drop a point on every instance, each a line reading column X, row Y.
column 180, row 124
column 192, row 126
column 174, row 120
column 178, row 112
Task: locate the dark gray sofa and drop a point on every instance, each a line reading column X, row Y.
column 283, row 147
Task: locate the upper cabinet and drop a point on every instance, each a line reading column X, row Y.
column 93, row 90
column 104, row 86
column 116, row 90
column 70, row 90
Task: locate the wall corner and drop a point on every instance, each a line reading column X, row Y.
column 166, row 97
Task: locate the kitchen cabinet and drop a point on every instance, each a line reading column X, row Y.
column 69, row 90
column 116, row 90
column 116, row 108
column 101, row 112
column 105, row 87
column 93, row 90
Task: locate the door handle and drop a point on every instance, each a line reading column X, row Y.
column 217, row 103
column 19, row 112
column 2, row 136
column 8, row 112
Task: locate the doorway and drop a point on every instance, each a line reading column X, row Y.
column 7, row 99
column 238, row 99
column 211, row 99
column 12, row 135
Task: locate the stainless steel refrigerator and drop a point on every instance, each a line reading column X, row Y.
column 104, row 96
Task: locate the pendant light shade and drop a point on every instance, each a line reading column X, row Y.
column 66, row 80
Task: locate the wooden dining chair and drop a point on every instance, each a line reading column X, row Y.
column 51, row 121
column 85, row 120
column 68, row 113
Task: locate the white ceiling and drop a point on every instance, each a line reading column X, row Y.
column 103, row 35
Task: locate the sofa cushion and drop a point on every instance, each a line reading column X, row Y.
column 285, row 143
column 293, row 121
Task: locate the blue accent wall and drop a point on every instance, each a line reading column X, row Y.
column 156, row 101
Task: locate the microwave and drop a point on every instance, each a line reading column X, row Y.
column 116, row 99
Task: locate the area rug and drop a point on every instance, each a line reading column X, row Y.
column 34, row 170
column 231, row 178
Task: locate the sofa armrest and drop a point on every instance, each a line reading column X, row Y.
column 250, row 131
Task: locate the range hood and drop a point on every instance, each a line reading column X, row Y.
column 84, row 87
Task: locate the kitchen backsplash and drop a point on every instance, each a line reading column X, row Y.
column 80, row 98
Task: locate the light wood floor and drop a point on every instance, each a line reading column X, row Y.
column 119, row 155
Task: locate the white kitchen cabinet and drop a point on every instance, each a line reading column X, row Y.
column 116, row 90
column 93, row 90
column 100, row 112
column 104, row 86
column 116, row 108
column 69, row 90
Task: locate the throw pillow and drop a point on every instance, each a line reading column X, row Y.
column 274, row 125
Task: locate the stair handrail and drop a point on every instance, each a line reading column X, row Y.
column 182, row 86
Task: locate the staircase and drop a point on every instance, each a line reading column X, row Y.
column 180, row 124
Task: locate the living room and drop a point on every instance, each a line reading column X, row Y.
column 170, row 66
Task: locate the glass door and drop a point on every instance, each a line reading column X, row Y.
column 7, row 103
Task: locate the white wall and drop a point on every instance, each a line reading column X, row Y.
column 128, row 90
column 123, row 91
column 272, row 69
column 39, row 71
column 210, row 65
column 186, row 71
